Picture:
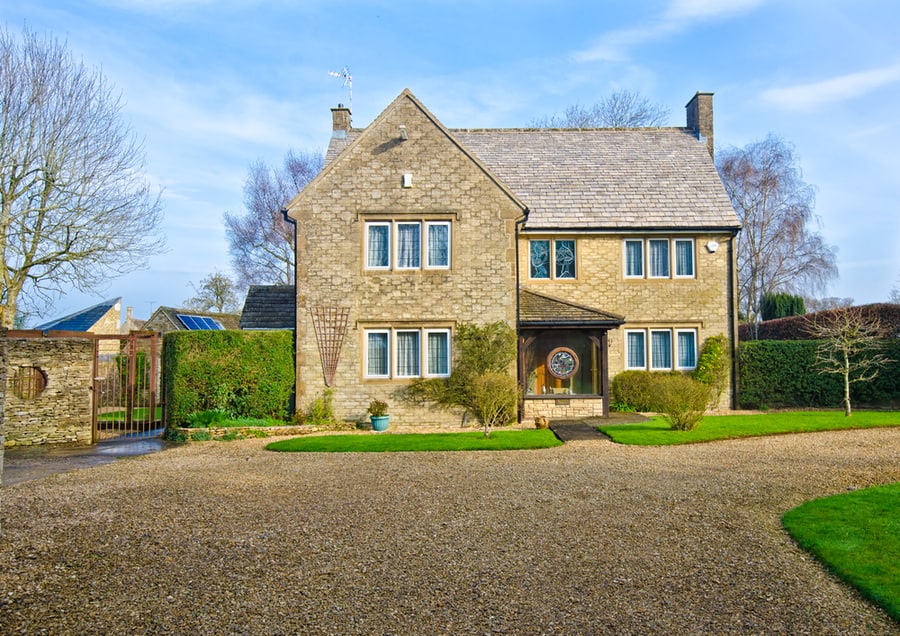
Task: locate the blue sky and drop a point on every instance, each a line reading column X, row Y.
column 212, row 86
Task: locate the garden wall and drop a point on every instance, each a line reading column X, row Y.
column 47, row 392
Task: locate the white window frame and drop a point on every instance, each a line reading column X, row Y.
column 388, row 350
column 426, row 353
column 643, row 260
column 668, row 333
column 427, row 255
column 397, row 265
column 390, row 245
column 549, row 243
column 674, row 250
column 677, row 350
column 668, row 260
column 643, row 334
column 553, row 251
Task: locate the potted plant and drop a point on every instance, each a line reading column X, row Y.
column 378, row 415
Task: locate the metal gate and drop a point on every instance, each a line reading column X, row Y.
column 126, row 402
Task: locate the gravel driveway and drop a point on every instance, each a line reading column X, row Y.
column 588, row 538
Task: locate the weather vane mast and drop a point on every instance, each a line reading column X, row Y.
column 344, row 74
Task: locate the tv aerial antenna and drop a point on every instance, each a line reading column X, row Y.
column 344, row 74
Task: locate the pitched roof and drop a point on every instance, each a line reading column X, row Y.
column 599, row 178
column 166, row 319
column 604, row 179
column 81, row 320
column 270, row 307
column 541, row 310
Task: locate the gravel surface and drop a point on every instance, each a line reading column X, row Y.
column 587, row 538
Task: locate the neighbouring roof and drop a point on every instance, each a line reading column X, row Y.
column 270, row 307
column 82, row 320
column 600, row 179
column 167, row 319
column 541, row 310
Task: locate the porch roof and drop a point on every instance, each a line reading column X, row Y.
column 541, row 310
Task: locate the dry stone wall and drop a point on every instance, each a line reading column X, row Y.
column 60, row 410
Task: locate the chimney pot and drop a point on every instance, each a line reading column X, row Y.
column 700, row 118
column 340, row 122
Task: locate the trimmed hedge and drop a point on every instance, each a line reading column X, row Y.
column 797, row 327
column 781, row 374
column 244, row 373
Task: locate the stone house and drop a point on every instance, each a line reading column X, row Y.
column 606, row 250
column 166, row 319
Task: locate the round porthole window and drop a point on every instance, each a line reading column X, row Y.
column 562, row 363
column 28, row 382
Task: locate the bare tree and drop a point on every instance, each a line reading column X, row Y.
column 622, row 109
column 261, row 241
column 75, row 208
column 217, row 292
column 777, row 250
column 850, row 341
column 822, row 304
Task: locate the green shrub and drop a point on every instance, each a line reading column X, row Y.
column 201, row 436
column 781, row 305
column 244, row 373
column 782, row 374
column 713, row 366
column 495, row 397
column 682, row 399
column 205, row 419
column 636, row 391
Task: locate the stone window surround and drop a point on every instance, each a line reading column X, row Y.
column 553, row 265
column 673, row 333
column 392, row 220
column 644, row 242
column 392, row 330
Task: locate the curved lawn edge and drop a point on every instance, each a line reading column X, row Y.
column 657, row 432
column 856, row 535
column 418, row 442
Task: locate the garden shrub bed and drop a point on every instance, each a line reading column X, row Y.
column 237, row 432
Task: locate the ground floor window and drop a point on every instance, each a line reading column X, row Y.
column 406, row 353
column 563, row 362
column 668, row 349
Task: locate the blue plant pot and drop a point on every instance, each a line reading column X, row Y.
column 380, row 422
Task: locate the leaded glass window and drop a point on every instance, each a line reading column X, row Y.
column 564, row 258
column 539, row 253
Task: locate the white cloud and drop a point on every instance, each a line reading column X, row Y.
column 805, row 97
column 680, row 15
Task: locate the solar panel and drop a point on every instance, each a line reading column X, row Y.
column 199, row 323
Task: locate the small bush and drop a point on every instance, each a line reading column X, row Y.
column 683, row 400
column 205, row 419
column 201, row 436
column 712, row 366
column 495, row 397
column 636, row 391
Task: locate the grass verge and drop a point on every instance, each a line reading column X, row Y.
column 657, row 432
column 397, row 442
column 857, row 536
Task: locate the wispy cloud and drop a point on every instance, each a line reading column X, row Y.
column 806, row 97
column 615, row 46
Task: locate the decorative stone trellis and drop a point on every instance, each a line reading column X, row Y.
column 330, row 325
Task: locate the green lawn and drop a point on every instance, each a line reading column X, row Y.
column 141, row 413
column 393, row 442
column 857, row 535
column 657, row 432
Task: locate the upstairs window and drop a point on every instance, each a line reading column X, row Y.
column 659, row 258
column 552, row 259
column 400, row 245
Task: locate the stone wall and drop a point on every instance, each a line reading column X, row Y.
column 58, row 412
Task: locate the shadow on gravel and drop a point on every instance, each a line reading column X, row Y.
column 36, row 462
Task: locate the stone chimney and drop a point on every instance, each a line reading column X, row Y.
column 340, row 122
column 700, row 118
